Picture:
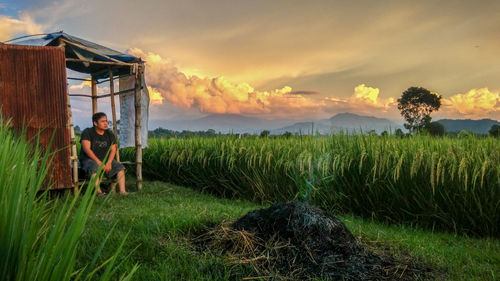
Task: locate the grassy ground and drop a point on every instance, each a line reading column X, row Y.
column 161, row 218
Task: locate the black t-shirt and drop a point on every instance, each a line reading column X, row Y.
column 99, row 144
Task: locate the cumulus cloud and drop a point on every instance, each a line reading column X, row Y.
column 474, row 104
column 82, row 85
column 155, row 96
column 218, row 95
column 167, row 84
column 364, row 100
column 9, row 26
column 84, row 88
column 370, row 96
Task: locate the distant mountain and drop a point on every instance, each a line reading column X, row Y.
column 347, row 122
column 477, row 126
column 224, row 123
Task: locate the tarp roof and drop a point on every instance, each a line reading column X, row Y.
column 72, row 51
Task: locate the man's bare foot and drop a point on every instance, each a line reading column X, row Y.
column 100, row 193
column 124, row 193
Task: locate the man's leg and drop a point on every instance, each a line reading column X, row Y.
column 118, row 169
column 91, row 168
column 97, row 183
column 121, row 181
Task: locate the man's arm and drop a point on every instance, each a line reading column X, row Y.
column 89, row 152
column 112, row 153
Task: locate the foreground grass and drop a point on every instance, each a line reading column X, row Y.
column 162, row 217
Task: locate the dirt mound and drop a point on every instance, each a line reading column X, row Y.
column 297, row 241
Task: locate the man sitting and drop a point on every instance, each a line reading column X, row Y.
column 96, row 142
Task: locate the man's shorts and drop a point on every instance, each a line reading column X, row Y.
column 90, row 167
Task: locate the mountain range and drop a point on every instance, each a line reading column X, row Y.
column 235, row 123
column 481, row 126
column 225, row 123
column 347, row 122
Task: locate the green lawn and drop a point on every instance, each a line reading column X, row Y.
column 161, row 218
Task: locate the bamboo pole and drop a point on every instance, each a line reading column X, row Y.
column 94, row 96
column 73, row 153
column 78, row 79
column 113, row 112
column 92, row 51
column 74, row 156
column 99, row 62
column 105, row 96
column 138, row 113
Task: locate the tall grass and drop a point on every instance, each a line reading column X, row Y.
column 39, row 237
column 443, row 183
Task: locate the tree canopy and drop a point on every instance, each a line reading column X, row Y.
column 416, row 104
column 435, row 129
column 495, row 131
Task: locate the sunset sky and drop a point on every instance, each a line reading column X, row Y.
column 287, row 58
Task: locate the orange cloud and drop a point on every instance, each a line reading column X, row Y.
column 154, row 96
column 85, row 88
column 364, row 100
column 9, row 26
column 218, row 95
column 368, row 96
column 83, row 84
column 475, row 104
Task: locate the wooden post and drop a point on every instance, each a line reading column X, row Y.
column 138, row 114
column 73, row 153
column 74, row 156
column 94, row 95
column 113, row 113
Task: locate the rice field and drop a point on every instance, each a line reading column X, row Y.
column 447, row 184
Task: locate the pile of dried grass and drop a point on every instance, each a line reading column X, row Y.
column 296, row 241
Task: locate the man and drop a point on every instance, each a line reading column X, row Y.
column 96, row 142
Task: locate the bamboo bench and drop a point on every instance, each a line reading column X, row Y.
column 111, row 182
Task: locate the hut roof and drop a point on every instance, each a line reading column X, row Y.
column 81, row 53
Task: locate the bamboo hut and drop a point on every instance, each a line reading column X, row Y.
column 42, row 79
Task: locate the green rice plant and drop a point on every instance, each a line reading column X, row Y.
column 439, row 183
column 39, row 237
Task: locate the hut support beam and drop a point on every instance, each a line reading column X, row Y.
column 73, row 153
column 98, row 62
column 113, row 113
column 90, row 50
column 94, row 95
column 138, row 114
column 105, row 96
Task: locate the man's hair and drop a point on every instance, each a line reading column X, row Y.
column 97, row 116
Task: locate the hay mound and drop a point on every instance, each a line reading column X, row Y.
column 297, row 241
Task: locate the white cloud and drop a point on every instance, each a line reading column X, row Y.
column 10, row 27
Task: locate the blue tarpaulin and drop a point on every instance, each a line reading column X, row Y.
column 75, row 52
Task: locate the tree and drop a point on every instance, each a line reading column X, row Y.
column 416, row 104
column 435, row 129
column 264, row 134
column 399, row 133
column 463, row 134
column 78, row 131
column 494, row 131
